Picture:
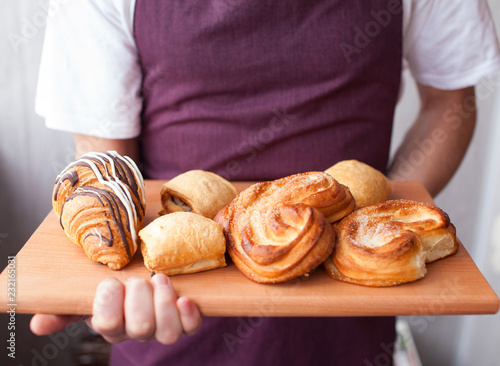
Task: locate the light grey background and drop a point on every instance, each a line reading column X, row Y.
column 31, row 156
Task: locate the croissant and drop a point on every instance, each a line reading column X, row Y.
column 197, row 191
column 182, row 242
column 277, row 230
column 389, row 243
column 100, row 202
column 367, row 185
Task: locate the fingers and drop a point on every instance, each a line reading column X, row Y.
column 143, row 310
column 168, row 319
column 139, row 309
column 190, row 315
column 44, row 324
column 108, row 310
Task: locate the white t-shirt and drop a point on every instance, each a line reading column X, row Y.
column 90, row 77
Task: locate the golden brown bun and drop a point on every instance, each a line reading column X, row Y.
column 182, row 242
column 197, row 191
column 367, row 184
column 389, row 243
column 277, row 230
column 100, row 202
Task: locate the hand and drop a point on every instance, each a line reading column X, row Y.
column 142, row 310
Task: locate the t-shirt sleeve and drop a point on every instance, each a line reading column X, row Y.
column 451, row 44
column 90, row 78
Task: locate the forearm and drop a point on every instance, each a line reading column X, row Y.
column 435, row 145
column 86, row 143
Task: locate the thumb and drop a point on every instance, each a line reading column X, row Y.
column 43, row 324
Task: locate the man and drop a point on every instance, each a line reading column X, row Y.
column 257, row 91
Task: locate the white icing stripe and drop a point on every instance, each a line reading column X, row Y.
column 120, row 189
column 138, row 177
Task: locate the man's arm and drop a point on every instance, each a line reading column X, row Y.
column 435, row 145
column 86, row 143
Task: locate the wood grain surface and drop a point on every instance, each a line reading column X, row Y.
column 53, row 275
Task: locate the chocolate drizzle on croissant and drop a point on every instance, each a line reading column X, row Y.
column 109, row 199
column 71, row 176
column 100, row 200
column 122, row 171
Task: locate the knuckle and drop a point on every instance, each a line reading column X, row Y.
column 106, row 293
column 136, row 282
column 114, row 339
column 105, row 326
column 140, row 331
column 167, row 337
column 192, row 329
column 165, row 300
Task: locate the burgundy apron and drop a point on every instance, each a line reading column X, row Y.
column 256, row 90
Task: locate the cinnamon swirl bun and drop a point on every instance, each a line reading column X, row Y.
column 281, row 229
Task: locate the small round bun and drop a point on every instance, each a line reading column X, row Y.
column 367, row 185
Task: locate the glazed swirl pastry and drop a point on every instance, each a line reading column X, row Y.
column 198, row 191
column 389, row 243
column 277, row 230
column 100, row 202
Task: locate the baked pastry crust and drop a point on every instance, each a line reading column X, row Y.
column 389, row 243
column 197, row 191
column 277, row 230
column 368, row 185
column 181, row 243
column 100, row 202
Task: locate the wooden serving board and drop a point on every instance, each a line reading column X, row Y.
column 54, row 276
